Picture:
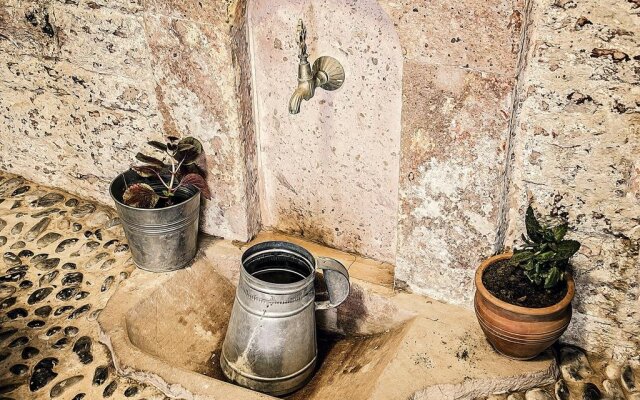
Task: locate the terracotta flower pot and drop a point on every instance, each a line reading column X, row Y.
column 520, row 332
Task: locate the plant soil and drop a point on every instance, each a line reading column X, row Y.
column 510, row 284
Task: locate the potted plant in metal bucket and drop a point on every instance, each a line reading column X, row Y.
column 159, row 204
column 523, row 299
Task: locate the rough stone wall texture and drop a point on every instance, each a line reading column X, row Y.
column 576, row 154
column 330, row 173
column 83, row 84
column 460, row 62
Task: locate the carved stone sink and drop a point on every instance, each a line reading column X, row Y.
column 167, row 330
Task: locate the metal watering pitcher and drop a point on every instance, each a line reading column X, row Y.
column 270, row 345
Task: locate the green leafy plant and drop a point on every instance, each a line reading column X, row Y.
column 185, row 168
column 545, row 255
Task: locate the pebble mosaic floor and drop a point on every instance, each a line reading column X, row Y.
column 63, row 257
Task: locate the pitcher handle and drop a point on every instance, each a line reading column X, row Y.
column 336, row 277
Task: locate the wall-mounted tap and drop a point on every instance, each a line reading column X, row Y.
column 327, row 73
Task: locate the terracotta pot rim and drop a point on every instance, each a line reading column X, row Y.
column 559, row 306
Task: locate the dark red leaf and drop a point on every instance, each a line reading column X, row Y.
column 146, row 171
column 140, row 195
column 198, row 182
column 158, row 145
column 149, row 160
column 189, row 149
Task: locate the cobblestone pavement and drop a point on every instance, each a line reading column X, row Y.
column 63, row 257
column 586, row 377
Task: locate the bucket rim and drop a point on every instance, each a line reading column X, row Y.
column 123, row 205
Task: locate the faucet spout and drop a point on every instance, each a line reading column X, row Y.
column 327, row 73
column 296, row 100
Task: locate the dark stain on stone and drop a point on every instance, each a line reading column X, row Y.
column 39, row 295
column 616, row 55
column 62, row 310
column 19, row 369
column 20, row 190
column 61, row 343
column 591, row 392
column 47, row 28
column 4, row 335
column 462, row 355
column 31, row 17
column 12, row 277
column 100, row 375
column 25, row 253
column 80, row 311
column 26, row 284
column 48, row 277
column 72, row 279
column 29, row 352
column 582, row 21
column 71, row 331
column 110, row 389
column 66, row 293
column 131, row 391
column 579, row 98
column 67, row 266
column 53, row 330
column 6, row 303
column 43, row 311
column 619, row 107
column 36, row 323
column 19, row 341
column 8, row 388
column 43, row 373
column 82, row 348
column 17, row 313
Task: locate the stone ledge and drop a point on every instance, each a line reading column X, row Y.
column 418, row 348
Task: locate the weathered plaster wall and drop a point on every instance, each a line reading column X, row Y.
column 576, row 153
column 460, row 62
column 83, row 84
column 330, row 173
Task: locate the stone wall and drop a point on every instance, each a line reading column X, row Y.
column 330, row 172
column 576, row 154
column 503, row 103
column 85, row 83
column 460, row 62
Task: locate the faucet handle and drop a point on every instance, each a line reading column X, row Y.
column 302, row 40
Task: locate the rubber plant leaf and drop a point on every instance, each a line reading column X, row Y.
column 559, row 231
column 140, row 195
column 566, row 249
column 553, row 277
column 198, row 182
column 520, row 256
column 534, row 229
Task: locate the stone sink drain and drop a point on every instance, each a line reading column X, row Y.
column 167, row 330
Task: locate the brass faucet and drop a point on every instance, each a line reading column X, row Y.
column 327, row 73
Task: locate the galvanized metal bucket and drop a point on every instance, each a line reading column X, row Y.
column 270, row 345
column 161, row 239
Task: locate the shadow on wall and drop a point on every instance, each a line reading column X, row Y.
column 329, row 173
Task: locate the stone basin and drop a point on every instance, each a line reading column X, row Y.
column 168, row 329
